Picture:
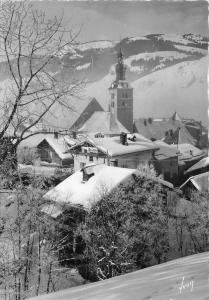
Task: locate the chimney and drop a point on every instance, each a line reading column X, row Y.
column 123, row 138
column 56, row 135
column 74, row 134
column 150, row 120
column 132, row 138
column 87, row 173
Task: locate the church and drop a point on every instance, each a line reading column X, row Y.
column 119, row 117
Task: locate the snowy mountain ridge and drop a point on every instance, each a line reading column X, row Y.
column 167, row 72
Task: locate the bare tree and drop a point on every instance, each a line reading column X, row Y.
column 30, row 44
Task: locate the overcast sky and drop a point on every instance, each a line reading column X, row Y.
column 114, row 20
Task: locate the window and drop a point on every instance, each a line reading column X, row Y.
column 112, row 103
column 123, row 103
column 114, row 163
column 91, row 158
column 125, row 95
column 112, row 96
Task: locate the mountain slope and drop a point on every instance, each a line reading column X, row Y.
column 181, row 88
column 168, row 72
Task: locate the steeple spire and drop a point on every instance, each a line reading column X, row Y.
column 120, row 54
column 120, row 68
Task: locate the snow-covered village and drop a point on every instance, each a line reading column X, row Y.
column 104, row 168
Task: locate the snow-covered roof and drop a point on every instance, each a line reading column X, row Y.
column 188, row 152
column 113, row 147
column 75, row 191
column 200, row 182
column 33, row 141
column 156, row 129
column 103, row 122
column 165, row 151
column 203, row 163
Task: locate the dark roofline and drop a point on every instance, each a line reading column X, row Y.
column 134, row 152
column 73, row 127
column 193, row 177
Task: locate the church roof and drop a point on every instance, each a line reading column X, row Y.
column 102, row 122
column 80, row 109
column 58, row 145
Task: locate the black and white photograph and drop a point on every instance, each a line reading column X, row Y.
column 104, row 168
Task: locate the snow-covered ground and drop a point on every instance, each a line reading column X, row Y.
column 191, row 49
column 66, row 49
column 82, row 67
column 96, row 45
column 174, row 38
column 137, row 38
column 184, row 278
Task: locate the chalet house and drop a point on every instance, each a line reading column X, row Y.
column 166, row 161
column 125, row 151
column 52, row 149
column 87, row 186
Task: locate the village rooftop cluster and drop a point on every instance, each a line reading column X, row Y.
column 104, row 148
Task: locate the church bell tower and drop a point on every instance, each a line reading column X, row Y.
column 121, row 96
